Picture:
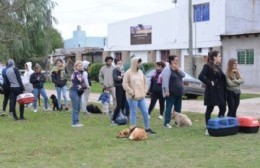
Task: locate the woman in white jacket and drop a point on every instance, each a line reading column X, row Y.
column 26, row 77
column 87, row 80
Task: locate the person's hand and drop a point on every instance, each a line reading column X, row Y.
column 167, row 93
column 38, row 78
column 212, row 83
column 119, row 77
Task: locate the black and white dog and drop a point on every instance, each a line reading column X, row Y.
column 55, row 102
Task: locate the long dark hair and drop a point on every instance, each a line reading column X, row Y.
column 211, row 63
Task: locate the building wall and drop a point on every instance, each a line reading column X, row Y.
column 242, row 16
column 80, row 39
column 250, row 73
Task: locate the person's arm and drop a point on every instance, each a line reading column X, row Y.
column 18, row 76
column 203, row 77
column 239, row 81
column 181, row 73
column 165, row 79
column 116, row 78
column 43, row 78
column 33, row 79
column 101, row 77
column 85, row 77
column 126, row 84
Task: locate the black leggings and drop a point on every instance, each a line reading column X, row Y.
column 154, row 97
column 209, row 109
column 14, row 92
column 120, row 101
column 233, row 100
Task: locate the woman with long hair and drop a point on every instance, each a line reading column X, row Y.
column 215, row 81
column 234, row 80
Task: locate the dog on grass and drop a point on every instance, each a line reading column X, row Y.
column 133, row 133
column 55, row 103
column 181, row 119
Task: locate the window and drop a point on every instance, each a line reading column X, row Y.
column 245, row 56
column 201, row 12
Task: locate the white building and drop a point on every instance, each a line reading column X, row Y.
column 166, row 32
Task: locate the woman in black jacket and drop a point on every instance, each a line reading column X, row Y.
column 118, row 74
column 214, row 79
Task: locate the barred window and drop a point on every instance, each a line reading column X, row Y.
column 245, row 56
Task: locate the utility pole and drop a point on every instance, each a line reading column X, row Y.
column 190, row 39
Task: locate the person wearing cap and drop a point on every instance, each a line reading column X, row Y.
column 134, row 83
column 87, row 80
column 106, row 79
column 77, row 87
column 59, row 78
column 16, row 87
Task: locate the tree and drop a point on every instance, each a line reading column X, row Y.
column 25, row 27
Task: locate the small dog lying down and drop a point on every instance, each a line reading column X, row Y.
column 181, row 119
column 54, row 102
column 133, row 133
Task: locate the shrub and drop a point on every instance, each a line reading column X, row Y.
column 148, row 66
column 95, row 71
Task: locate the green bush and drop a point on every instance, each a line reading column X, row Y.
column 148, row 66
column 95, row 71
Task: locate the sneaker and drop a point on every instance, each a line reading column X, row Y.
column 3, row 114
column 35, row 110
column 168, row 126
column 77, row 125
column 113, row 123
column 160, row 117
column 48, row 109
column 149, row 131
column 206, row 132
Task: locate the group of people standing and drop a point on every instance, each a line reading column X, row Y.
column 221, row 88
column 128, row 88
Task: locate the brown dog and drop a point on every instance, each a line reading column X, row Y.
column 181, row 119
column 133, row 133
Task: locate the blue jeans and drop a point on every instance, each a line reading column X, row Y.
column 62, row 90
column 170, row 101
column 143, row 107
column 75, row 103
column 36, row 91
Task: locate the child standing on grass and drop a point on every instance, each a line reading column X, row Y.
column 105, row 100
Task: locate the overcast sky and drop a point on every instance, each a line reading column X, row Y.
column 94, row 15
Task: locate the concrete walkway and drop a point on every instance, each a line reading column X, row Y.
column 248, row 107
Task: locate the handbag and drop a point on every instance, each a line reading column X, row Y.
column 80, row 91
column 121, row 119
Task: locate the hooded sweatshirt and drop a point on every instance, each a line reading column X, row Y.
column 27, row 73
column 134, row 81
column 13, row 75
column 86, row 76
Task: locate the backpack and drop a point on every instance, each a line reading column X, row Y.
column 121, row 119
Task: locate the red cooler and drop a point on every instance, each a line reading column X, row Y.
column 248, row 124
column 25, row 98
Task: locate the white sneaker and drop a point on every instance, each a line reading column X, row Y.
column 206, row 132
column 77, row 125
column 160, row 117
column 48, row 109
column 35, row 110
column 168, row 126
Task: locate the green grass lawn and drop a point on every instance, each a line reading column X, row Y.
column 47, row 140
